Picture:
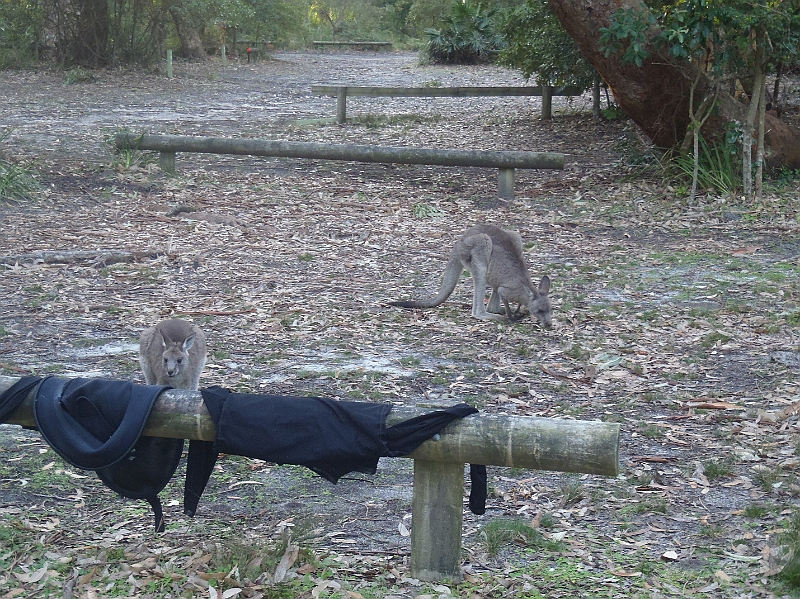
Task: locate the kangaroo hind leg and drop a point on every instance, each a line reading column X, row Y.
column 495, row 306
column 477, row 249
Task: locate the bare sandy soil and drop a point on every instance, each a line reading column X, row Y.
column 679, row 322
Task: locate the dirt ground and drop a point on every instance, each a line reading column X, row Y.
column 677, row 321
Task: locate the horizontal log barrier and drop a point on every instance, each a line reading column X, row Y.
column 504, row 161
column 437, row 505
column 360, row 44
column 342, row 91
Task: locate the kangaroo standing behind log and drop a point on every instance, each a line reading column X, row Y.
column 494, row 258
column 173, row 353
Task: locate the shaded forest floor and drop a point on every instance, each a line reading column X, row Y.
column 678, row 321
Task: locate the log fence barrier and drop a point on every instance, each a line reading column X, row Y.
column 438, row 493
column 340, row 92
column 504, row 161
column 364, row 45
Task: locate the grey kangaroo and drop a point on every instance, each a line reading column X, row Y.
column 173, row 353
column 494, row 258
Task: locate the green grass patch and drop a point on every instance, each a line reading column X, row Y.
column 410, row 361
column 88, row 342
column 710, row 340
column 790, row 539
column 649, row 315
column 577, row 352
column 648, row 506
column 16, row 182
column 767, row 478
column 126, row 159
column 423, row 210
column 650, row 431
column 715, row 469
column 571, row 490
column 501, row 532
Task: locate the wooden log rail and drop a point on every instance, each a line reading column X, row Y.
column 437, row 504
column 504, row 161
column 342, row 91
column 336, row 44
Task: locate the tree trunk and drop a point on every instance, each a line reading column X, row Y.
column 188, row 33
column 89, row 46
column 656, row 95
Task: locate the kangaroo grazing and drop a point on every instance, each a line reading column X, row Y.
column 173, row 353
column 494, row 258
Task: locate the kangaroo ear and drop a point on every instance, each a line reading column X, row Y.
column 544, row 285
column 189, row 342
column 163, row 340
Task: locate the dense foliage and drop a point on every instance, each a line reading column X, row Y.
column 96, row 33
column 538, row 45
column 469, row 35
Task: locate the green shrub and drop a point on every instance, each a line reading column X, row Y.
column 78, row 75
column 16, row 182
column 469, row 35
column 719, row 167
column 540, row 47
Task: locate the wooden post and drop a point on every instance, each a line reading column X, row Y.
column 341, row 105
column 505, row 183
column 169, row 64
column 596, row 98
column 166, row 160
column 224, row 56
column 436, row 520
column 547, row 102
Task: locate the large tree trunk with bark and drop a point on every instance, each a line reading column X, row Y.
column 656, row 95
column 188, row 33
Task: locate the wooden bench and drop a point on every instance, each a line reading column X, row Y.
column 504, row 161
column 590, row 447
column 342, row 91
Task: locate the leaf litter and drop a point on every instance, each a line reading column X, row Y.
column 679, row 322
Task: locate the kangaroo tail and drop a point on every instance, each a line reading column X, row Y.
column 451, row 275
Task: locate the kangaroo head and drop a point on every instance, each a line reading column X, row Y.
column 539, row 305
column 175, row 354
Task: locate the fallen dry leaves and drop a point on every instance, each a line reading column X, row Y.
column 677, row 321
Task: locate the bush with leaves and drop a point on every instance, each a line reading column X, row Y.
column 538, row 45
column 470, row 35
column 21, row 25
